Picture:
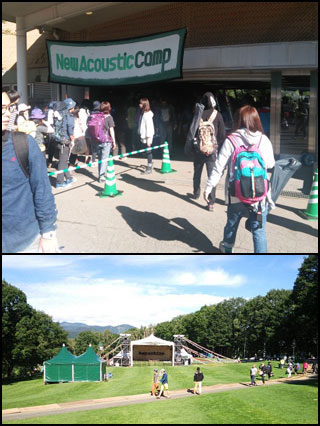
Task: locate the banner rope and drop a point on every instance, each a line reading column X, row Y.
column 108, row 159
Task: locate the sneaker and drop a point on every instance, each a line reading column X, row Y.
column 196, row 195
column 62, row 185
column 225, row 247
column 70, row 181
column 211, row 207
column 102, row 179
column 148, row 170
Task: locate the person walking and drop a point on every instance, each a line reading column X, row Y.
column 206, row 135
column 65, row 133
column 37, row 116
column 29, row 213
column 166, row 123
column 289, row 370
column 198, row 378
column 146, row 129
column 80, row 146
column 269, row 370
column 247, row 137
column 101, row 129
column 84, row 114
column 164, row 384
column 105, row 149
column 305, row 367
column 262, row 372
column 155, row 385
column 253, row 373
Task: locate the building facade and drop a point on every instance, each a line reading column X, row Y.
column 263, row 53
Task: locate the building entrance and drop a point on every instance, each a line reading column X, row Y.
column 180, row 97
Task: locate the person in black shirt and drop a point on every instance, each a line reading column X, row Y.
column 198, row 377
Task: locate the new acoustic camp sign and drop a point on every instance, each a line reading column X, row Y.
column 142, row 60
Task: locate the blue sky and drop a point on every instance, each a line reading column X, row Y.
column 142, row 289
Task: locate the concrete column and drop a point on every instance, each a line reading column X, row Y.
column 22, row 75
column 275, row 111
column 313, row 114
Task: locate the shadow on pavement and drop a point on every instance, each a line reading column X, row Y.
column 153, row 225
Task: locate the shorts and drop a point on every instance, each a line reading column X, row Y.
column 165, row 386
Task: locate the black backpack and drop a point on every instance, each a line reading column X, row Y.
column 59, row 134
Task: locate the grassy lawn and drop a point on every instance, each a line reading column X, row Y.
column 125, row 381
column 294, row 403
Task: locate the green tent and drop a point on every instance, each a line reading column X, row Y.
column 88, row 367
column 59, row 368
column 66, row 367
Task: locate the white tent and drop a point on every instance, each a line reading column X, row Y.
column 151, row 341
column 185, row 356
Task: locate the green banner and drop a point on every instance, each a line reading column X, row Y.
column 142, row 60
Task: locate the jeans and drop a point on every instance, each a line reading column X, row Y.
column 235, row 213
column 103, row 150
column 63, row 163
column 199, row 161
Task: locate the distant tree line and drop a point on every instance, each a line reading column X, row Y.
column 280, row 322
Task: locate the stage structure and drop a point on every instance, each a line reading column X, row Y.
column 182, row 351
column 152, row 348
column 200, row 353
column 182, row 357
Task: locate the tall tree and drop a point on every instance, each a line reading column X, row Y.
column 29, row 337
column 305, row 306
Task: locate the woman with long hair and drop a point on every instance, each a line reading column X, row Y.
column 146, row 129
column 247, row 133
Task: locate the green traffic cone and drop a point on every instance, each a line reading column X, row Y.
column 166, row 165
column 311, row 213
column 110, row 189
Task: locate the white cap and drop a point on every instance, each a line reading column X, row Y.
column 23, row 107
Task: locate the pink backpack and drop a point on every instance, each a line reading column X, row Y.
column 250, row 180
column 96, row 127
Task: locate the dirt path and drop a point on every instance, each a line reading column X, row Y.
column 94, row 404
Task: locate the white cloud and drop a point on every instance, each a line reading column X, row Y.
column 111, row 302
column 217, row 277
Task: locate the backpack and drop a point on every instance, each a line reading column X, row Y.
column 207, row 136
column 59, row 134
column 96, row 127
column 249, row 174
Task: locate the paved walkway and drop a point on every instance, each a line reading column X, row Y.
column 156, row 214
column 95, row 404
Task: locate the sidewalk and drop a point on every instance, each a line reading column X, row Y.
column 95, row 404
column 156, row 214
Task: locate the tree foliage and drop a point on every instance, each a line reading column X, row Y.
column 29, row 337
column 269, row 324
